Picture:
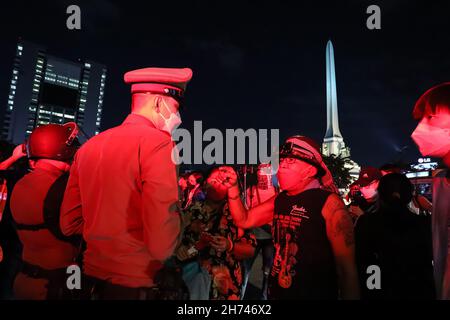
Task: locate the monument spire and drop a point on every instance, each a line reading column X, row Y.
column 332, row 109
column 333, row 142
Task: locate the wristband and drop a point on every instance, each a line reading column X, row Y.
column 233, row 197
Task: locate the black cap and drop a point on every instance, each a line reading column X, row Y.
column 368, row 175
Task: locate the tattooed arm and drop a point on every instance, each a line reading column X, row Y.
column 340, row 234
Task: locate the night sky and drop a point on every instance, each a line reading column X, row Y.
column 258, row 64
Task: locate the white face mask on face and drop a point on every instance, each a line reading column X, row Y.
column 432, row 141
column 172, row 122
column 290, row 178
column 369, row 192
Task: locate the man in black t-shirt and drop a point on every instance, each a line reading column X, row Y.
column 312, row 229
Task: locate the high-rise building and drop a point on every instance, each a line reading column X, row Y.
column 47, row 89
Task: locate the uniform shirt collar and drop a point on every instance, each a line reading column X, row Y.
column 138, row 119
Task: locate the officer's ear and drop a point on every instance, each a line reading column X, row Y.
column 32, row 163
column 158, row 104
column 313, row 171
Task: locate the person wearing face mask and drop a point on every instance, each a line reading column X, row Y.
column 432, row 136
column 35, row 207
column 122, row 195
column 311, row 227
column 398, row 242
column 368, row 180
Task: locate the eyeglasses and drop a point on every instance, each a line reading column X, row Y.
column 289, row 160
column 292, row 150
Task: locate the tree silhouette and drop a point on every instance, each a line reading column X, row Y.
column 340, row 170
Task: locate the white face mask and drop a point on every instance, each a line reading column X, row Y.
column 369, row 192
column 289, row 179
column 432, row 141
column 172, row 122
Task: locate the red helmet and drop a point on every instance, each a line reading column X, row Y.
column 53, row 141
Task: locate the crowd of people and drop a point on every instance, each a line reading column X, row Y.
column 118, row 208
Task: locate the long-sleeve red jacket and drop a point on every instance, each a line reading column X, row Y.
column 122, row 196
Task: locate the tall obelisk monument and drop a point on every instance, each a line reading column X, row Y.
column 333, row 142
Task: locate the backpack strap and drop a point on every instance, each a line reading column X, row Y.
column 52, row 206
